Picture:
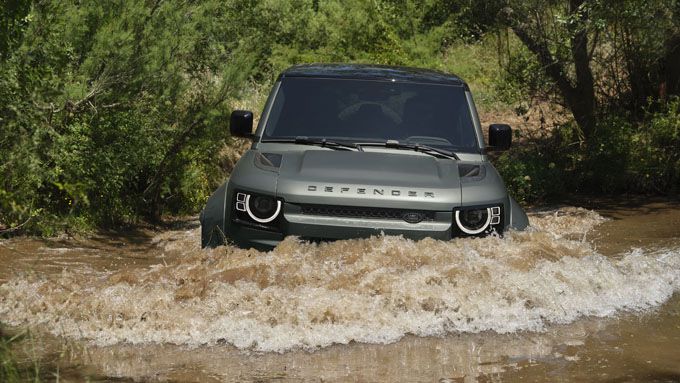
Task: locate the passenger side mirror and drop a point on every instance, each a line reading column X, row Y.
column 500, row 137
column 241, row 124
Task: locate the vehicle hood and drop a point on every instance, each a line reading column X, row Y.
column 375, row 178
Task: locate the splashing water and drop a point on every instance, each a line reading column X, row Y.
column 375, row 290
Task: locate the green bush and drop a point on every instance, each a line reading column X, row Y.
column 630, row 157
column 535, row 170
column 655, row 163
column 621, row 157
column 605, row 159
column 115, row 111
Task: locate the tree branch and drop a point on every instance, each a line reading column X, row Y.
column 15, row 228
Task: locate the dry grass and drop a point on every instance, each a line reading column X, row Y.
column 539, row 120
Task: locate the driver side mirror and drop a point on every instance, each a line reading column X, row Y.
column 241, row 124
column 500, row 137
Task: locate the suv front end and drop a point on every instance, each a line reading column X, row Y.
column 349, row 152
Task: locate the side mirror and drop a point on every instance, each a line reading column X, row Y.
column 500, row 137
column 241, row 124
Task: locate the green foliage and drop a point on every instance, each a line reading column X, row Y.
column 622, row 157
column 606, row 158
column 612, row 64
column 522, row 76
column 13, row 368
column 13, row 20
column 634, row 42
column 9, row 372
column 478, row 64
column 654, row 149
column 537, row 170
column 112, row 112
column 629, row 157
column 381, row 32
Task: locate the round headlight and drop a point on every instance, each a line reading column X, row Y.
column 262, row 209
column 473, row 221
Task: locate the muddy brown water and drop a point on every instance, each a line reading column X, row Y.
column 584, row 295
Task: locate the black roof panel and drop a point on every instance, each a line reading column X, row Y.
column 372, row 72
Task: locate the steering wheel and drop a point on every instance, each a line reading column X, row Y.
column 387, row 111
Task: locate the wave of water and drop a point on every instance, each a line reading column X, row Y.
column 376, row 290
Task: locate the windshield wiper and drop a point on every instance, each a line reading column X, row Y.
column 394, row 144
column 324, row 143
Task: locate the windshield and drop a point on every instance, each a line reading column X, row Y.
column 372, row 111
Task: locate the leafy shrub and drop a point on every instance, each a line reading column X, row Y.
column 535, row 169
column 621, row 157
column 655, row 153
column 114, row 111
column 634, row 157
column 605, row 158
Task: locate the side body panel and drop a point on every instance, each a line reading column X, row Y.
column 518, row 217
column 212, row 218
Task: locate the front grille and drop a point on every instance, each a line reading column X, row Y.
column 365, row 212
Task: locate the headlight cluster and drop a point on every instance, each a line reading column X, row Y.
column 259, row 208
column 477, row 220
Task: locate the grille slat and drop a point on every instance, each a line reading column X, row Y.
column 363, row 212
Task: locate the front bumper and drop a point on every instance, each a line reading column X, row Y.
column 296, row 222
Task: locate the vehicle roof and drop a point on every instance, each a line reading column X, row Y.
column 372, row 72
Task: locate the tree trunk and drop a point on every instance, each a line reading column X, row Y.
column 583, row 104
column 578, row 95
column 671, row 68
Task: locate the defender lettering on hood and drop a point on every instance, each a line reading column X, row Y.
column 346, row 151
column 371, row 191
